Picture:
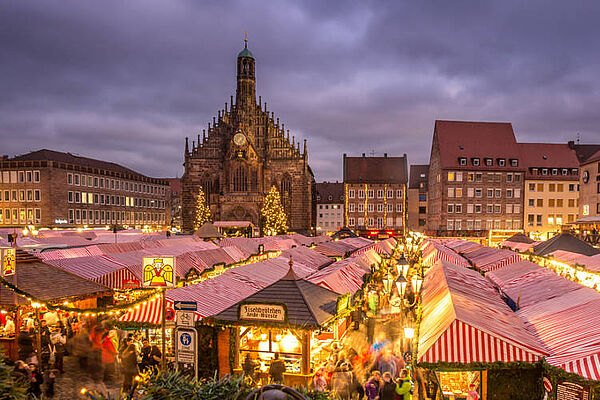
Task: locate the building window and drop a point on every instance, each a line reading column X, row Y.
column 531, row 202
column 458, row 192
column 399, row 194
column 422, row 196
column 509, row 193
column 462, row 161
column 478, row 192
column 351, row 221
column 532, row 187
column 399, row 207
column 458, row 224
column 514, row 162
column 70, row 178
column 361, row 194
column 370, row 207
column 544, row 171
column 490, row 208
column 470, row 192
column 478, row 208
column 490, row 193
column 450, row 208
column 509, row 177
column 451, row 192
column 380, row 194
column 390, row 194
column 517, row 177
column 240, row 179
column 458, row 208
column 554, row 171
column 371, row 221
column 351, row 207
column 371, row 193
column 489, row 162
column 390, row 207
column 571, row 187
column 498, row 193
column 478, row 177
column 560, row 187
column 36, row 195
column 451, row 176
column 475, row 161
column 502, row 162
column 380, row 207
column 509, row 208
column 477, row 224
column 469, row 208
column 497, row 209
column 450, row 225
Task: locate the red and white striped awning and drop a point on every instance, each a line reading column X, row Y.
column 149, row 312
column 588, row 367
column 463, row 343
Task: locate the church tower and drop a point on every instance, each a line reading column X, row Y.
column 245, row 96
column 241, row 155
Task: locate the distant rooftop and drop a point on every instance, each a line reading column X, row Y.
column 375, row 169
column 330, row 192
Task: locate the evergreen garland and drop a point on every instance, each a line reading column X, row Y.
column 9, row 387
column 202, row 210
column 274, row 220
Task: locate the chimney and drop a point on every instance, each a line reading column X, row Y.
column 363, row 155
column 571, row 144
column 384, row 155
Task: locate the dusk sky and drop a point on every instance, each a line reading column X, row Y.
column 127, row 81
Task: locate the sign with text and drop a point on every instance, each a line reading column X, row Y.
column 186, row 346
column 159, row 271
column 8, row 258
column 572, row 391
column 262, row 312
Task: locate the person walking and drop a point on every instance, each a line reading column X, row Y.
column 35, row 386
column 58, row 339
column 404, row 386
column 109, row 353
column 129, row 364
column 388, row 388
column 151, row 356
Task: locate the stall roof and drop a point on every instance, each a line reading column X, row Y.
column 565, row 241
column 48, row 283
column 489, row 259
column 308, row 304
column 465, row 320
column 519, row 238
column 208, row 231
column 307, row 257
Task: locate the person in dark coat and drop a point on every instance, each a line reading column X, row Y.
column 151, row 356
column 388, row 388
column 249, row 367
column 37, row 379
column 25, row 342
column 277, row 369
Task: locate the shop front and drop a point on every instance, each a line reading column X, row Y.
column 292, row 320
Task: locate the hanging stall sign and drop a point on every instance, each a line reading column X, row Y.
column 159, row 271
column 9, row 263
column 262, row 312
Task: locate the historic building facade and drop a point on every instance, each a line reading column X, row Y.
column 375, row 194
column 551, row 188
column 52, row 189
column 330, row 207
column 242, row 154
column 476, row 178
column 417, row 197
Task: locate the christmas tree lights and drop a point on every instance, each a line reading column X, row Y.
column 274, row 220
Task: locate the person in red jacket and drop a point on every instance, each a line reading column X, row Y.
column 109, row 354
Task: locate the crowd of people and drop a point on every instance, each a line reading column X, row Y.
column 104, row 353
column 374, row 373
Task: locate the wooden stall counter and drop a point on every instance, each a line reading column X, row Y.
column 9, row 347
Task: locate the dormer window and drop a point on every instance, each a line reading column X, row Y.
column 574, row 171
column 462, row 161
column 318, row 198
column 565, row 171
column 554, row 171
column 475, row 161
column 489, row 162
column 534, row 171
column 545, row 171
column 514, row 162
column 330, row 198
column 502, row 162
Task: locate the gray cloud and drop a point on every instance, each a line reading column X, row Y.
column 127, row 81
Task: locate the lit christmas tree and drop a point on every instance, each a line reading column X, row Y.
column 202, row 210
column 274, row 220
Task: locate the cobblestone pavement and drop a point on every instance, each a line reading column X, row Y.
column 69, row 384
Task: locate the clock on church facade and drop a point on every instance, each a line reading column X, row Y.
column 241, row 155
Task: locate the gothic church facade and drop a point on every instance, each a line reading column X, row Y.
column 242, row 154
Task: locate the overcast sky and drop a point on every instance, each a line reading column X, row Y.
column 127, row 81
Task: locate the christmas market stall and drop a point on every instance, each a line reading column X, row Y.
column 467, row 335
column 292, row 320
column 28, row 287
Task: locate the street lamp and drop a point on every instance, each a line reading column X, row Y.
column 416, row 282
column 409, row 333
column 402, row 266
column 401, row 285
column 387, row 282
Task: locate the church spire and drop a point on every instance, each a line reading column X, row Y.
column 245, row 96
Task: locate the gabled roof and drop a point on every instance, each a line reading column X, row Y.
column 567, row 242
column 549, row 155
column 457, row 139
column 415, row 175
column 335, row 190
column 343, row 233
column 593, row 158
column 208, row 231
column 519, row 238
column 375, row 169
column 586, row 151
column 308, row 304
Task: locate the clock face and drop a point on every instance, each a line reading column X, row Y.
column 586, row 177
column 239, row 139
